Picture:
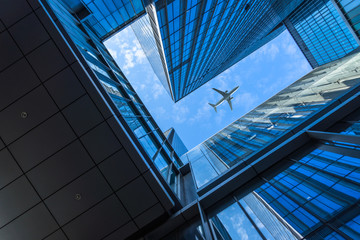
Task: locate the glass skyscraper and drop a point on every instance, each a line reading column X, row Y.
column 201, row 39
column 190, row 44
column 175, row 141
column 107, row 16
column 82, row 158
column 320, row 32
column 294, row 166
column 282, row 114
column 350, row 10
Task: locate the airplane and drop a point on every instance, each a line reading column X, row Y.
column 226, row 96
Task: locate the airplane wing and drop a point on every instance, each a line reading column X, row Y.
column 221, row 92
column 229, row 101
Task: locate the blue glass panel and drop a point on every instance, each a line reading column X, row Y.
column 137, row 6
column 326, row 189
column 236, row 223
column 323, row 31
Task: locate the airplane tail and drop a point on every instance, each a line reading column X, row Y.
column 213, row 105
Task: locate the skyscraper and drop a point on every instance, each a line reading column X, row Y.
column 202, row 39
column 175, row 141
column 82, row 158
column 321, row 32
column 350, row 12
column 313, row 191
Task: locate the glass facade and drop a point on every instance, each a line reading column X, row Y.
column 322, row 30
column 250, row 218
column 122, row 94
column 315, row 198
column 351, row 10
column 189, row 43
column 147, row 33
column 274, row 118
column 108, row 16
column 314, row 194
column 310, row 192
column 203, row 38
column 175, row 141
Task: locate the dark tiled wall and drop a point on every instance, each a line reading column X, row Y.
column 67, row 168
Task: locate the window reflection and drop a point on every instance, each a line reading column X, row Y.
column 250, row 218
column 236, row 224
column 316, row 197
column 162, row 165
column 279, row 115
column 314, row 190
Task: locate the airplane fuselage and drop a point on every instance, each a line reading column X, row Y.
column 226, row 96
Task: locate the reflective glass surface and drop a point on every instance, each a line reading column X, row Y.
column 323, row 31
column 108, row 16
column 353, row 129
column 280, row 114
column 351, row 10
column 250, row 218
column 314, row 194
column 237, row 224
column 315, row 197
column 175, row 141
column 147, row 33
column 201, row 39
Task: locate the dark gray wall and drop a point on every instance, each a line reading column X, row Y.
column 68, row 169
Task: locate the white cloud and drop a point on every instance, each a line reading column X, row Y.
column 133, row 54
column 180, row 112
column 235, row 222
column 159, row 112
column 138, row 52
column 289, row 46
column 246, row 101
column 157, row 89
column 220, row 82
column 140, row 56
column 290, row 49
column 113, row 53
column 203, row 113
column 269, row 50
column 220, row 116
column 129, row 60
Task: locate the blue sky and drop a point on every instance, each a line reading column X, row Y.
column 260, row 76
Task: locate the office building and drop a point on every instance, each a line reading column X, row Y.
column 175, row 141
column 321, row 32
column 350, row 12
column 296, row 149
column 202, row 39
column 82, row 158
